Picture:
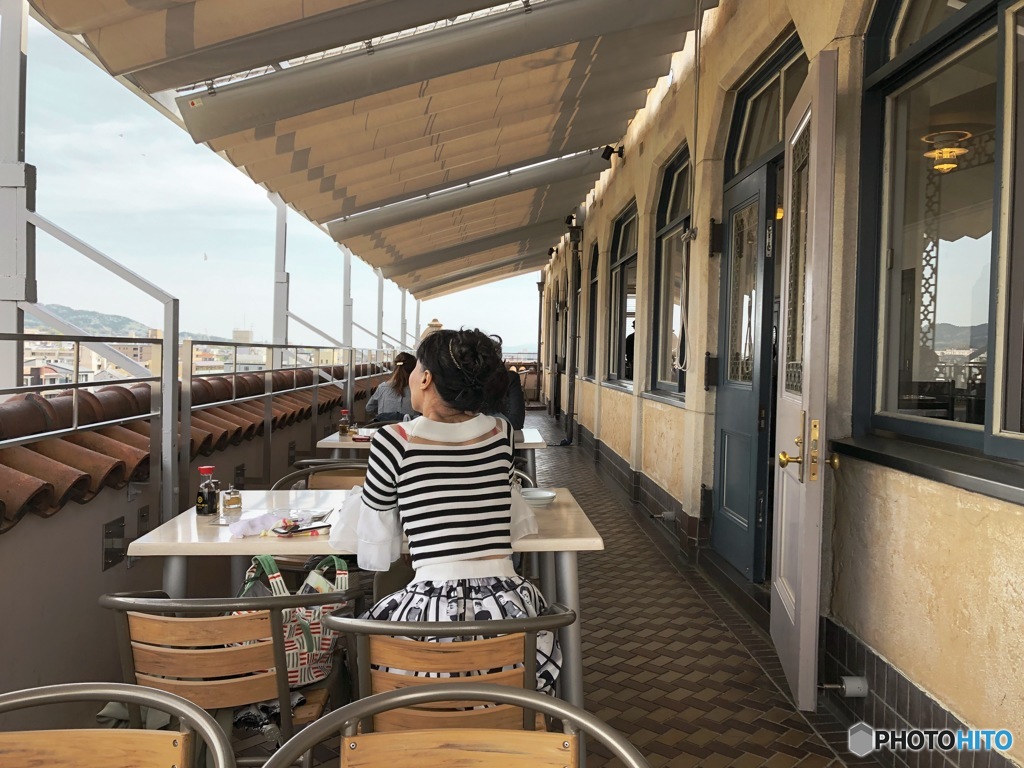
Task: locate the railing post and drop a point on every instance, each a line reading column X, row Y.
column 380, row 308
column 419, row 330
column 404, row 334
column 280, row 271
column 17, row 189
column 172, row 447
column 184, row 425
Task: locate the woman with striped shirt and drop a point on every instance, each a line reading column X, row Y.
column 447, row 475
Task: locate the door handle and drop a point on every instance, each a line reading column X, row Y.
column 785, row 459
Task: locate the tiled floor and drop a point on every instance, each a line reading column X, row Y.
column 667, row 661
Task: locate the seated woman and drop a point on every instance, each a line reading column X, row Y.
column 391, row 401
column 447, row 477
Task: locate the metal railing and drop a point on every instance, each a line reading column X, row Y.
column 267, row 360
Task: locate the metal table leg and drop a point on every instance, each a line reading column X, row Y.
column 176, row 576
column 548, row 582
column 239, row 565
column 571, row 637
column 531, row 464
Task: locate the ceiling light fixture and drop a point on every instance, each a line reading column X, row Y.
column 947, row 150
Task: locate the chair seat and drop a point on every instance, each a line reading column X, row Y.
column 316, row 702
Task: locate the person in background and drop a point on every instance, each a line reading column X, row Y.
column 445, row 479
column 513, row 405
column 392, row 401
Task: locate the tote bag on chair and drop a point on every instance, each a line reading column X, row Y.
column 308, row 646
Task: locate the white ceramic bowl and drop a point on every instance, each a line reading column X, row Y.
column 366, row 431
column 538, row 497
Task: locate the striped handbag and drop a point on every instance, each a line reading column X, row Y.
column 308, row 646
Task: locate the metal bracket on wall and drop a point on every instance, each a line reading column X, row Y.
column 715, row 238
column 113, row 543
column 710, row 371
column 291, row 453
column 239, row 479
column 706, row 502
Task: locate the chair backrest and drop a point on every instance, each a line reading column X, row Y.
column 467, row 748
column 322, row 474
column 95, row 748
column 502, row 652
column 198, row 650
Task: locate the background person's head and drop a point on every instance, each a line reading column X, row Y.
column 463, row 370
column 404, row 365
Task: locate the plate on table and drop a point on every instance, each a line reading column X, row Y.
column 538, row 497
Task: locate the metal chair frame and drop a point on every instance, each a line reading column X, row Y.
column 156, row 602
column 346, row 720
column 192, row 718
column 556, row 617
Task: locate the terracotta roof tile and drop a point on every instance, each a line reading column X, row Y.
column 42, row 476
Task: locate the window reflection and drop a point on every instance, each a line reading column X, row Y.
column 943, row 150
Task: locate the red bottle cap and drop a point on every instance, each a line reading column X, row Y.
column 344, row 410
column 206, row 470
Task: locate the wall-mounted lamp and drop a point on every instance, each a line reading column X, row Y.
column 551, row 251
column 947, row 151
column 575, row 234
column 609, row 150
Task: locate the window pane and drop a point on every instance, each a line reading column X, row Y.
column 762, row 129
column 627, row 238
column 792, row 79
column 679, row 203
column 1014, row 410
column 797, row 265
column 615, row 324
column 629, row 287
column 742, row 293
column 918, row 17
column 943, row 149
column 670, row 328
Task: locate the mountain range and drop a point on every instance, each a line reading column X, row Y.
column 102, row 324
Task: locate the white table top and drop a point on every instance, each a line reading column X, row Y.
column 563, row 527
column 334, row 440
column 526, row 439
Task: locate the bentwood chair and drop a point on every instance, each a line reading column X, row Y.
column 323, row 474
column 464, row 747
column 219, row 653
column 504, row 653
column 133, row 748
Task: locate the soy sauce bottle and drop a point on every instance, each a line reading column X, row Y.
column 208, row 497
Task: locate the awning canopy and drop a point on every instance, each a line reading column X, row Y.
column 444, row 142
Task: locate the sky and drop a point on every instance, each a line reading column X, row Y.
column 126, row 180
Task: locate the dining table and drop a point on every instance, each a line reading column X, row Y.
column 563, row 531
column 527, row 441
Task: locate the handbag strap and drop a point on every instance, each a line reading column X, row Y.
column 337, row 563
column 266, row 565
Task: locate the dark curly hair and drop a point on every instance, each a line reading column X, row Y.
column 467, row 367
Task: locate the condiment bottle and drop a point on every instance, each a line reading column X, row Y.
column 231, row 501
column 343, row 423
column 208, row 498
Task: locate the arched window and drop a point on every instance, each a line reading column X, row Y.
column 622, row 296
column 672, row 272
column 761, row 108
column 932, row 141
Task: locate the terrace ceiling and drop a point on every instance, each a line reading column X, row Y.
column 444, row 141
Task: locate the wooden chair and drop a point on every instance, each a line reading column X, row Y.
column 507, row 656
column 98, row 748
column 324, row 474
column 198, row 650
column 466, row 748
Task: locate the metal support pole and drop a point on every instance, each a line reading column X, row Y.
column 419, row 330
column 346, row 327
column 170, row 444
column 404, row 335
column 380, row 308
column 280, row 275
column 570, row 353
column 17, row 189
column 540, row 335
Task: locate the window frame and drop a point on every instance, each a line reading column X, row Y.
column 592, row 298
column 884, row 76
column 676, row 227
column 618, row 264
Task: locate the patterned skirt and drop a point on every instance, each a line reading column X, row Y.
column 473, row 599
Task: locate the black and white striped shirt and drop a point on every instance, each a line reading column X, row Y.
column 453, row 498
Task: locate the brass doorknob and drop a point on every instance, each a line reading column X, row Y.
column 833, row 460
column 785, row 459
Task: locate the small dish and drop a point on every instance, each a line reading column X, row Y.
column 366, row 431
column 538, row 497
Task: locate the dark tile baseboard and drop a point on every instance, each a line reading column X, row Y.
column 893, row 702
